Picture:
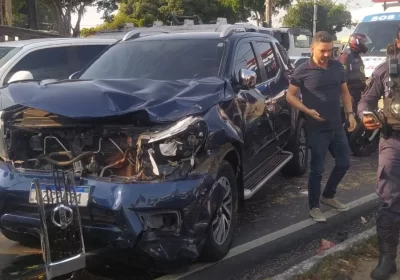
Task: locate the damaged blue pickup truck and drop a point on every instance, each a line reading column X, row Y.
column 165, row 136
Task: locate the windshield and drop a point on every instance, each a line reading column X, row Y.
column 381, row 34
column 302, row 41
column 159, row 60
column 6, row 53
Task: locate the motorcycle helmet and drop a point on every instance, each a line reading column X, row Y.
column 359, row 42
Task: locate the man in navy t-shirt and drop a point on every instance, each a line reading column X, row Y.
column 322, row 84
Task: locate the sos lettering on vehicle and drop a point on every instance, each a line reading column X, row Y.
column 382, row 17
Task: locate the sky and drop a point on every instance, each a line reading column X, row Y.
column 358, row 9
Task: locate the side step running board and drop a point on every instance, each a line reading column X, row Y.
column 266, row 171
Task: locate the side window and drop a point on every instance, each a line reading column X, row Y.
column 86, row 54
column 246, row 59
column 283, row 53
column 50, row 63
column 269, row 59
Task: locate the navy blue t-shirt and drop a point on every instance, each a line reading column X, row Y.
column 321, row 90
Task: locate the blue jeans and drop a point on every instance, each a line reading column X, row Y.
column 334, row 140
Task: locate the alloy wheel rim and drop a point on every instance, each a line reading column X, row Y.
column 222, row 222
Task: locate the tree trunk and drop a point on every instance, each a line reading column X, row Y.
column 8, row 11
column 257, row 18
column 32, row 15
column 1, row 13
column 77, row 29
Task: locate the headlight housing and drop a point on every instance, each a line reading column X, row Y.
column 177, row 144
column 182, row 139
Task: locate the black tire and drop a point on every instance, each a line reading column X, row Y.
column 22, row 238
column 298, row 146
column 213, row 251
column 360, row 145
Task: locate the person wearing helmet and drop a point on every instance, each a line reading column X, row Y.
column 354, row 66
column 388, row 175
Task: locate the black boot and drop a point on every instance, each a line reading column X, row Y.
column 388, row 236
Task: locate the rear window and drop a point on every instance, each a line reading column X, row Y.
column 159, row 60
column 6, row 53
column 302, row 41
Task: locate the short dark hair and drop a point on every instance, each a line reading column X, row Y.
column 322, row 37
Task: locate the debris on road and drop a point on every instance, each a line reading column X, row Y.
column 324, row 245
column 363, row 221
column 345, row 264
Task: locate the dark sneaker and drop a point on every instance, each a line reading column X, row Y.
column 334, row 203
column 317, row 215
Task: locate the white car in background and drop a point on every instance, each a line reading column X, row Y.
column 47, row 58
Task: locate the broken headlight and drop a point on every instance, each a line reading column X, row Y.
column 178, row 143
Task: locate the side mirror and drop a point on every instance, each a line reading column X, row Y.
column 74, row 75
column 20, row 76
column 247, row 78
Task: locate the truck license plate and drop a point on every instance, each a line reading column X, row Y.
column 49, row 195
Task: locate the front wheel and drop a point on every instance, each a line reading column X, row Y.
column 359, row 141
column 222, row 226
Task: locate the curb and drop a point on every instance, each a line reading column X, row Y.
column 247, row 255
column 311, row 263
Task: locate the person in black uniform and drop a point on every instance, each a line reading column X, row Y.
column 388, row 175
column 354, row 66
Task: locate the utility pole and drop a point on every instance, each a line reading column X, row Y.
column 32, row 15
column 268, row 12
column 315, row 17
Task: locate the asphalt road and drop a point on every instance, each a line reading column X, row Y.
column 283, row 202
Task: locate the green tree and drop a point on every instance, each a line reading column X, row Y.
column 331, row 17
column 257, row 7
column 162, row 9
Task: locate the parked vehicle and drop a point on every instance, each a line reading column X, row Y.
column 47, row 58
column 296, row 61
column 362, row 142
column 296, row 41
column 165, row 137
column 379, row 27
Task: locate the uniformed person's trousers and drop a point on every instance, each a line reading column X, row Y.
column 388, row 220
column 388, row 184
column 387, row 226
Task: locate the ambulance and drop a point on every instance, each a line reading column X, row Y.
column 381, row 29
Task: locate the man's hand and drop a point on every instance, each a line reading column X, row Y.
column 352, row 123
column 370, row 123
column 315, row 115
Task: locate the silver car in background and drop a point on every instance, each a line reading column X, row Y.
column 47, row 58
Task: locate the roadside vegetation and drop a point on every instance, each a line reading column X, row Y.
column 344, row 265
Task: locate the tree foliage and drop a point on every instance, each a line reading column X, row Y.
column 56, row 15
column 142, row 12
column 331, row 17
column 257, row 7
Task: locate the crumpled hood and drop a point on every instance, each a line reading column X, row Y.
column 162, row 100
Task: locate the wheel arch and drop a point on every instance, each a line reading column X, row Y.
column 234, row 157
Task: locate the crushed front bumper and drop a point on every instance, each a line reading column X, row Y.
column 165, row 220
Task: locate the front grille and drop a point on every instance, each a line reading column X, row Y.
column 61, row 229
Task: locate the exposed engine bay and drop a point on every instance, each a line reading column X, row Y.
column 106, row 148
